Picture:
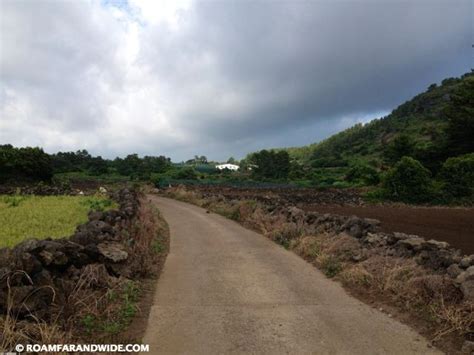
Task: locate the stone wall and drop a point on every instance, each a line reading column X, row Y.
column 436, row 255
column 36, row 272
column 39, row 189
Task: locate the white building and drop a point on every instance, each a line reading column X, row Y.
column 232, row 167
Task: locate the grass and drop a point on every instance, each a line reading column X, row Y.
column 23, row 217
column 119, row 317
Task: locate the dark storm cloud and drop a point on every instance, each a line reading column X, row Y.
column 216, row 78
column 285, row 65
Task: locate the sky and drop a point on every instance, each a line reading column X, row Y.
column 216, row 78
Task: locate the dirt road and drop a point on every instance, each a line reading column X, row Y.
column 225, row 289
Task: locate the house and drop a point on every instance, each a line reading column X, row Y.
column 232, row 167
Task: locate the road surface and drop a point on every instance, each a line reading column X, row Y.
column 225, row 289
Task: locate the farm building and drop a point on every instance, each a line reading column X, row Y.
column 227, row 166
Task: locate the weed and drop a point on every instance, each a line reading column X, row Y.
column 285, row 233
column 308, row 247
column 330, row 265
column 13, row 200
column 97, row 203
column 157, row 246
column 89, row 322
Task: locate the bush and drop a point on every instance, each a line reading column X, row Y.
column 285, row 233
column 330, row 265
column 363, row 174
column 408, row 181
column 457, row 176
column 185, row 173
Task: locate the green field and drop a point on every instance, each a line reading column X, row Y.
column 23, row 217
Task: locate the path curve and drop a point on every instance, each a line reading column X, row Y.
column 225, row 289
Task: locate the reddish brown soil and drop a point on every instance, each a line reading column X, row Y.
column 453, row 225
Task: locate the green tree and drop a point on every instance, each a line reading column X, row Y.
column 271, row 164
column 408, row 181
column 24, row 164
column 400, row 147
column 460, row 115
column 97, row 166
column 363, row 174
column 457, row 175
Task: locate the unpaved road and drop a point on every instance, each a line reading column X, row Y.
column 225, row 289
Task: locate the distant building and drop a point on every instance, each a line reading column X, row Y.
column 232, row 167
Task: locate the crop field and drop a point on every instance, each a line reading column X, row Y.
column 23, row 217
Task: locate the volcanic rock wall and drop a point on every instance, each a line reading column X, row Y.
column 36, row 272
column 436, row 255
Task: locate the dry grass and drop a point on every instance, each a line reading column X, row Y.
column 430, row 297
column 15, row 331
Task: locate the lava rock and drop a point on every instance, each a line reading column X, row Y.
column 113, row 251
column 453, row 270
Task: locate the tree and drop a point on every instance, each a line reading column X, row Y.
column 24, row 164
column 231, row 160
column 460, row 115
column 270, row 164
column 408, row 181
column 400, row 147
column 457, row 175
column 363, row 173
column 130, row 166
column 97, row 166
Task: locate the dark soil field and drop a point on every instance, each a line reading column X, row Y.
column 453, row 225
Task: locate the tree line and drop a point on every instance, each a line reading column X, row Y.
column 33, row 164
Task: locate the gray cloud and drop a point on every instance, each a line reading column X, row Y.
column 222, row 78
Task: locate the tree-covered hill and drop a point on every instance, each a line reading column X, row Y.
column 431, row 127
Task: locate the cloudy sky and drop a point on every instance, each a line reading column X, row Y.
column 216, row 78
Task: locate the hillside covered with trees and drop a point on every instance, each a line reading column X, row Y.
column 415, row 153
column 431, row 127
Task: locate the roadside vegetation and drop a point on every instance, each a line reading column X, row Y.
column 25, row 216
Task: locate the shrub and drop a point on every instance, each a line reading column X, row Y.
column 185, row 173
column 330, row 265
column 285, row 233
column 364, row 174
column 408, row 181
column 457, row 176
